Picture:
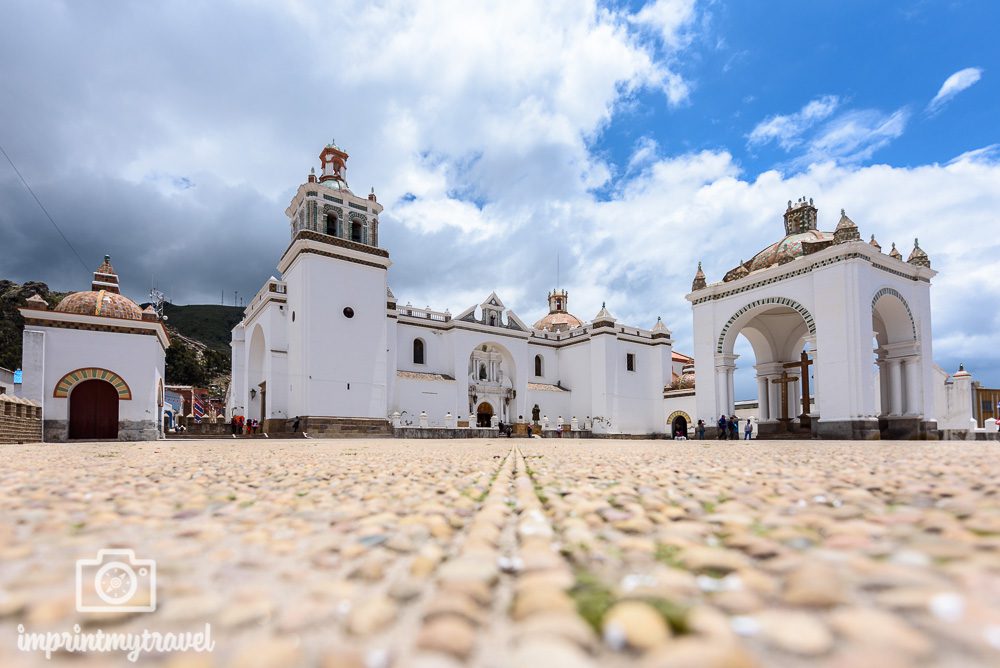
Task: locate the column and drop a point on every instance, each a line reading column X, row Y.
column 883, row 386
column 895, row 387
column 774, row 397
column 794, row 398
column 721, row 389
column 763, row 399
column 730, row 391
column 912, row 374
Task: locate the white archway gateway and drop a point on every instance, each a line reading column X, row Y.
column 856, row 320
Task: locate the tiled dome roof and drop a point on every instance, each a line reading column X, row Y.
column 558, row 322
column 103, row 298
column 102, row 303
column 787, row 249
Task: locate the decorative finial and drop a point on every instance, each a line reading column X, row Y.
column 916, row 242
column 843, row 213
column 312, row 170
column 107, row 258
column 373, row 190
column 789, row 204
column 699, row 265
column 603, row 304
column 961, row 366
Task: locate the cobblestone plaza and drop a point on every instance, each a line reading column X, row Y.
column 498, row 552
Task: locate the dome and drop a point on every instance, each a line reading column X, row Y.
column 559, row 319
column 102, row 303
column 103, row 298
column 686, row 380
column 789, row 248
column 558, row 322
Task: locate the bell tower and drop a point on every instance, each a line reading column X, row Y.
column 337, row 316
column 558, row 301
column 334, row 161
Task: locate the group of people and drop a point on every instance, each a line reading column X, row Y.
column 508, row 429
column 729, row 428
column 242, row 425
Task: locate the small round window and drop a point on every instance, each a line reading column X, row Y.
column 348, row 312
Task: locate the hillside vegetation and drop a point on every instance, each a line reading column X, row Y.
column 199, row 353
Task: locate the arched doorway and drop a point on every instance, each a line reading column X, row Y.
column 491, row 381
column 679, row 426
column 93, row 410
column 899, row 393
column 780, row 333
column 257, row 376
column 484, row 414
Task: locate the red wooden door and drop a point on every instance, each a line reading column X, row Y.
column 93, row 410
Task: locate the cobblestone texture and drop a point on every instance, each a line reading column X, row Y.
column 518, row 552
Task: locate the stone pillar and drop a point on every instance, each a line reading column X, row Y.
column 895, row 387
column 763, row 399
column 883, row 386
column 731, row 390
column 911, row 371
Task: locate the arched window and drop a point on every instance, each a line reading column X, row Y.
column 357, row 231
column 538, row 365
column 331, row 224
column 418, row 351
column 482, row 372
column 558, row 304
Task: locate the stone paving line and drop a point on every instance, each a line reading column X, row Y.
column 497, row 553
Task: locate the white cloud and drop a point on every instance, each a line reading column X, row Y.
column 816, row 134
column 855, row 136
column 954, row 85
column 671, row 19
column 788, row 129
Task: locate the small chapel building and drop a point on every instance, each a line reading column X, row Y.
column 95, row 363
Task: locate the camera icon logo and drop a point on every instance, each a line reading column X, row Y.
column 115, row 581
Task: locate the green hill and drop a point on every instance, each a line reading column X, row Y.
column 12, row 297
column 206, row 323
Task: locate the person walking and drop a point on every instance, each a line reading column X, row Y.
column 734, row 428
column 748, row 431
column 701, row 430
column 723, row 428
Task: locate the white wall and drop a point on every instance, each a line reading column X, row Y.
column 337, row 365
column 138, row 358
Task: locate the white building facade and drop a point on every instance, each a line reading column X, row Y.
column 95, row 363
column 857, row 320
column 328, row 341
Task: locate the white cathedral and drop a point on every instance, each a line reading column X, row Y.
column 327, row 342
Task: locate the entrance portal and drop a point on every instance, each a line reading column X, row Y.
column 484, row 414
column 93, row 410
column 679, row 425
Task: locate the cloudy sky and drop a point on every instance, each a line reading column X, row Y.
column 628, row 140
